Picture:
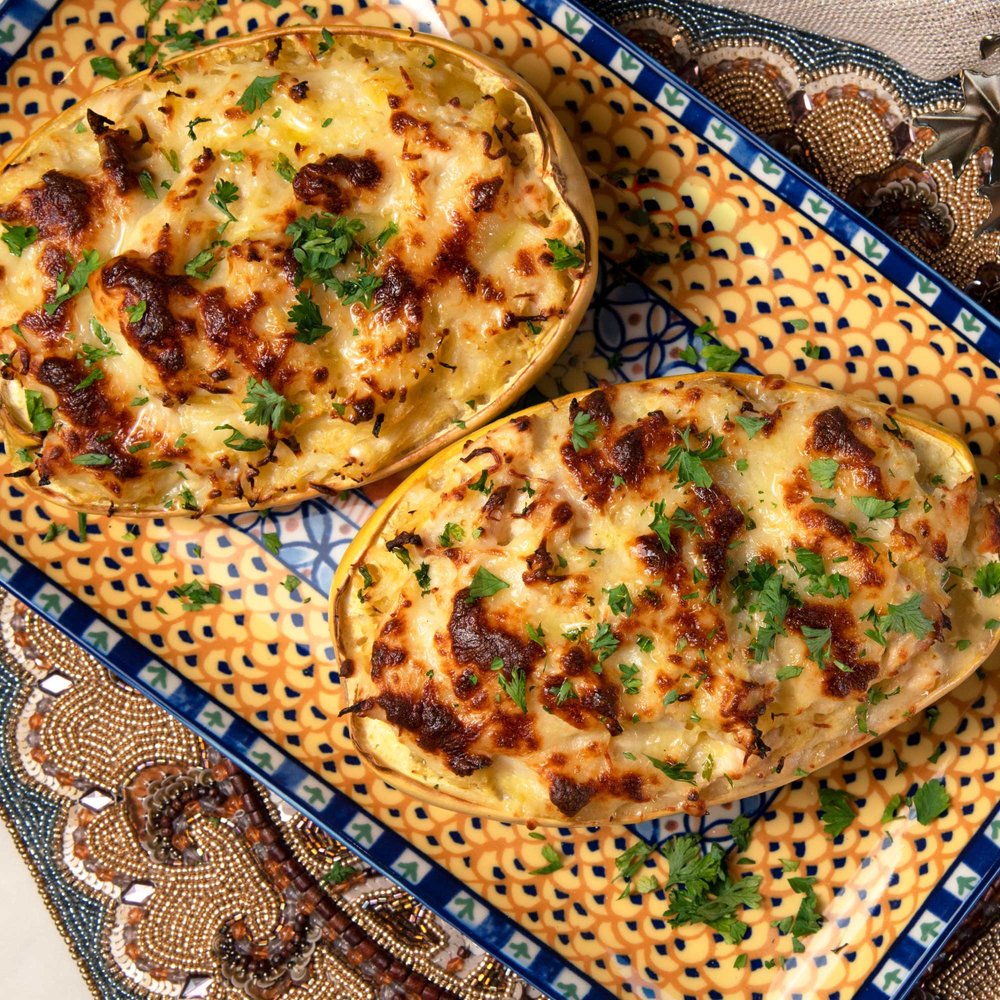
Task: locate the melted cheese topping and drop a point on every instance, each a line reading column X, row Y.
column 533, row 635
column 188, row 186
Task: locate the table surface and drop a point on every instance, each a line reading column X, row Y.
column 37, row 964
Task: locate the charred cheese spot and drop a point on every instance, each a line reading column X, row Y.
column 363, row 271
column 478, row 641
column 607, row 667
column 833, row 435
column 120, row 152
column 334, row 182
column 59, row 207
column 159, row 335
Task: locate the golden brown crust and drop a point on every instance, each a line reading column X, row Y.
column 576, row 617
column 194, row 231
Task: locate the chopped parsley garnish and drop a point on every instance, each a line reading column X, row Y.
column 604, row 643
column 788, row 672
column 390, row 230
column 907, row 617
column 319, row 243
column 92, row 458
column 930, row 800
column 225, row 193
column 136, row 312
column 191, row 125
column 238, row 441
column 838, row 810
column 358, row 289
column 620, row 601
column 258, row 93
column 452, row 533
column 536, row 634
column 54, row 531
column 94, row 375
column 76, row 281
column 674, row 771
column 821, row 583
column 874, row 697
column 817, row 641
column 554, row 859
column 811, row 350
column 291, row 583
column 630, row 862
column 702, row 890
column 807, row 919
column 564, row 692
column 146, row 183
column 761, row 588
column 266, row 406
column 823, row 471
column 484, row 584
column 583, row 430
column 719, row 358
column 875, row 509
column 271, row 542
column 285, row 168
column 987, row 579
column 18, row 238
column 631, row 684
column 690, row 465
column 482, row 484
column 423, row 575
column 197, row 597
column 750, row 424
column 564, row 257
column 326, row 42
column 338, row 873
column 236, row 155
column 891, row 808
column 39, row 414
column 201, row 265
column 645, row 643
column 307, row 318
column 516, row 687
column 105, row 66
column 680, row 518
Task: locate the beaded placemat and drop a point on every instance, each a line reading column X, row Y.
column 170, row 872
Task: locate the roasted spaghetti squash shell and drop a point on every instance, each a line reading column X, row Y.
column 415, row 774
column 559, row 166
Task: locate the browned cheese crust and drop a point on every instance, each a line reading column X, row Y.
column 279, row 267
column 659, row 595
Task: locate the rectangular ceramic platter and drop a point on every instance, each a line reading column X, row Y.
column 755, row 246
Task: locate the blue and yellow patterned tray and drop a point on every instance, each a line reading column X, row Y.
column 777, row 264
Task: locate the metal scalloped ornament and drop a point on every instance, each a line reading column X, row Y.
column 963, row 132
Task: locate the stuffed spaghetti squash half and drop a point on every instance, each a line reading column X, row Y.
column 281, row 265
column 662, row 595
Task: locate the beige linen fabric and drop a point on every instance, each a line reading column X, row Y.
column 932, row 38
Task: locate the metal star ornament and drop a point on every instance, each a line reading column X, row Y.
column 962, row 133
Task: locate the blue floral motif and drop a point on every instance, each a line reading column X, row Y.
column 312, row 536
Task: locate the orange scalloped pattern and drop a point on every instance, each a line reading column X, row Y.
column 752, row 264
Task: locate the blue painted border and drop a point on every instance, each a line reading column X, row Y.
column 971, row 874
column 944, row 301
column 970, row 321
column 19, row 20
column 382, row 848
